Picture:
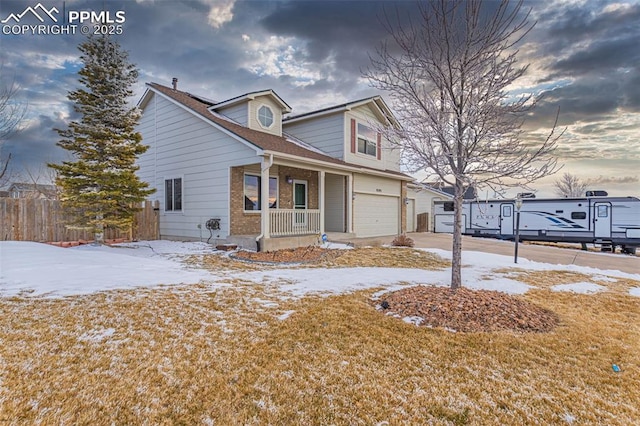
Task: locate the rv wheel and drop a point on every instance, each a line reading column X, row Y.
column 629, row 250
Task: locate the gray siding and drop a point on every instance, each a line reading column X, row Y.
column 325, row 133
column 334, row 203
column 184, row 146
column 238, row 113
column 390, row 154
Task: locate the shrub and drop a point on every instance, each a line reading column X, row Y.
column 402, row 241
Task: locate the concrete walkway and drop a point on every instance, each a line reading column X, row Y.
column 546, row 254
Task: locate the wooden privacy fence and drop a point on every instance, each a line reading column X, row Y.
column 423, row 222
column 23, row 219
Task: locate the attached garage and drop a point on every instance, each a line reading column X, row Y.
column 376, row 215
column 376, row 207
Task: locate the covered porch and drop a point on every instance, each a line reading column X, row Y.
column 283, row 203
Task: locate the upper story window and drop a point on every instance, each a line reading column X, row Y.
column 367, row 140
column 265, row 116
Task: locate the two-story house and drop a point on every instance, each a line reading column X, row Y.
column 245, row 171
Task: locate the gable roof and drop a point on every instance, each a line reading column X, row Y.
column 250, row 96
column 419, row 186
column 24, row 186
column 377, row 102
column 263, row 143
column 469, row 191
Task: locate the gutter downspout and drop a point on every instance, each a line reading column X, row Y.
column 264, row 183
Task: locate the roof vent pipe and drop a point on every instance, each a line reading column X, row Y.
column 174, row 82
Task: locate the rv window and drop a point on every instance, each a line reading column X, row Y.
column 578, row 215
column 506, row 211
column 602, row 211
column 448, row 207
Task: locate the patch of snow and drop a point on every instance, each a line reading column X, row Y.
column 265, row 303
column 505, row 285
column 336, row 246
column 582, row 288
column 285, row 315
column 300, row 282
column 569, row 418
column 165, row 247
column 36, row 269
column 635, row 291
column 97, row 335
column 604, row 279
column 413, row 320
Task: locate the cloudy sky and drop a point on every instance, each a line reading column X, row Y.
column 583, row 55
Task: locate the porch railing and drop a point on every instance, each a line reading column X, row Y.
column 287, row 222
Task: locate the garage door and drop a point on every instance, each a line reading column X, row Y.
column 375, row 215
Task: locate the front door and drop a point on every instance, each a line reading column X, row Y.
column 506, row 219
column 602, row 220
column 300, row 201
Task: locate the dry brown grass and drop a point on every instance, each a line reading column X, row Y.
column 548, row 279
column 203, row 355
column 397, row 257
column 363, row 257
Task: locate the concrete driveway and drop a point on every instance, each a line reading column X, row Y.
column 546, row 254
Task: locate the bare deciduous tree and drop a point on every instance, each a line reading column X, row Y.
column 42, row 180
column 448, row 76
column 11, row 115
column 570, row 186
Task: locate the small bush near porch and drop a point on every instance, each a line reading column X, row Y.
column 246, row 354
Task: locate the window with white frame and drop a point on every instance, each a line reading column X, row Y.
column 367, row 140
column 265, row 116
column 252, row 197
column 173, row 195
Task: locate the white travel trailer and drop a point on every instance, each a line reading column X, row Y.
column 608, row 221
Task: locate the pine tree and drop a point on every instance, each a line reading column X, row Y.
column 99, row 186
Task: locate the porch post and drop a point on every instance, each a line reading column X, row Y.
column 349, row 204
column 321, row 176
column 264, row 197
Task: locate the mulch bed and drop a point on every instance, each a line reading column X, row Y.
column 468, row 310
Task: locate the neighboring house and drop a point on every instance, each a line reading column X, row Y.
column 469, row 192
column 263, row 178
column 420, row 199
column 32, row 190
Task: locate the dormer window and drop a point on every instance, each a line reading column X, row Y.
column 367, row 140
column 265, row 116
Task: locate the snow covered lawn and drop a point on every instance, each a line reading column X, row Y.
column 162, row 332
column 33, row 269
